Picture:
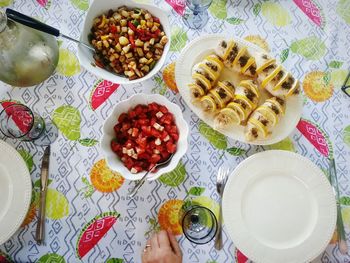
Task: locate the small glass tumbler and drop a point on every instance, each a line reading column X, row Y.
column 199, row 225
column 196, row 16
column 17, row 121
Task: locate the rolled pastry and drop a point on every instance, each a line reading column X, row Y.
column 236, row 57
column 264, row 119
column 218, row 97
column 205, row 75
column 238, row 109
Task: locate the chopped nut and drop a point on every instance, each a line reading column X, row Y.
column 157, row 142
column 163, row 40
column 145, row 68
column 130, row 32
column 149, row 61
column 149, row 24
column 122, row 59
column 138, row 43
column 140, row 52
column 146, row 46
column 133, row 170
column 105, row 43
column 126, row 48
column 149, row 55
column 124, row 29
column 125, row 13
column 148, row 16
column 154, row 28
column 151, row 41
column 128, row 55
column 143, row 60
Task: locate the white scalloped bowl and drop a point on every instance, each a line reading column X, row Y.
column 113, row 160
column 97, row 8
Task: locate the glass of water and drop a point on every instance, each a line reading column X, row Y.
column 17, row 121
column 196, row 15
column 199, row 224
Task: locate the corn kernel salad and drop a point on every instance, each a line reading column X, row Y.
column 128, row 41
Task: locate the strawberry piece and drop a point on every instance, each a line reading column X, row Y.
column 175, row 136
column 122, row 117
column 171, row 147
column 155, row 158
column 163, row 109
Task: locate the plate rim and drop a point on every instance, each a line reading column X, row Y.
column 178, row 75
column 24, row 174
column 322, row 180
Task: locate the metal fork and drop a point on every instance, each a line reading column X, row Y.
column 220, row 185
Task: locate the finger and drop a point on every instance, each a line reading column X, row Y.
column 163, row 239
column 174, row 244
column 154, row 241
column 148, row 246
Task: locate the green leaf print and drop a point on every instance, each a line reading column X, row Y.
column 37, row 183
column 345, row 200
column 80, row 4
column 218, row 9
column 335, row 64
column 115, row 260
column 88, row 142
column 346, row 135
column 178, row 39
column 52, row 257
column 235, row 151
column 311, row 48
column 217, row 139
column 257, row 9
column 175, row 177
column 67, row 119
column 196, row 190
column 327, row 78
column 343, row 9
column 234, row 20
column 284, row 55
column 286, row 145
column 27, row 158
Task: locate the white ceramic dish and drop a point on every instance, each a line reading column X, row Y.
column 279, row 207
column 108, row 134
column 194, row 52
column 97, row 8
column 15, row 191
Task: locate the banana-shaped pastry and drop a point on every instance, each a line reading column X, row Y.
column 239, row 108
column 218, row 97
column 205, row 74
column 274, row 78
column 263, row 120
column 237, row 57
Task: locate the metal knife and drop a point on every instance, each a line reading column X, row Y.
column 343, row 247
column 44, row 176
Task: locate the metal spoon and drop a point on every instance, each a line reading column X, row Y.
column 133, row 192
column 33, row 23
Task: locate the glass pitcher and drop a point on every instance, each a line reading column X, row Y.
column 27, row 56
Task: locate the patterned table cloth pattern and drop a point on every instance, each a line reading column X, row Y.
column 89, row 217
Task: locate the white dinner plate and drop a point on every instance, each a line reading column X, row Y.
column 194, row 52
column 279, row 207
column 15, row 191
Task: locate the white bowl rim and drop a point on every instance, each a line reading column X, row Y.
column 113, row 160
column 85, row 56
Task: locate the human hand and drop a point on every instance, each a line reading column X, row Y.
column 162, row 247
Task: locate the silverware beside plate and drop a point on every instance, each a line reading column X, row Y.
column 333, row 179
column 44, row 176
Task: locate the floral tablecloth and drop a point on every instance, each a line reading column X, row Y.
column 89, row 217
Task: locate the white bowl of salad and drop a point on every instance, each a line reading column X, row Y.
column 131, row 40
column 142, row 131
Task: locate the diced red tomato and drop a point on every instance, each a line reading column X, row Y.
column 171, row 147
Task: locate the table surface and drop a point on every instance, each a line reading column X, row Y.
column 311, row 38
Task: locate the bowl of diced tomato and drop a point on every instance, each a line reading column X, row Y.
column 131, row 40
column 142, row 131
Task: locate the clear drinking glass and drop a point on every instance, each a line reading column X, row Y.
column 17, row 121
column 196, row 16
column 199, row 225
